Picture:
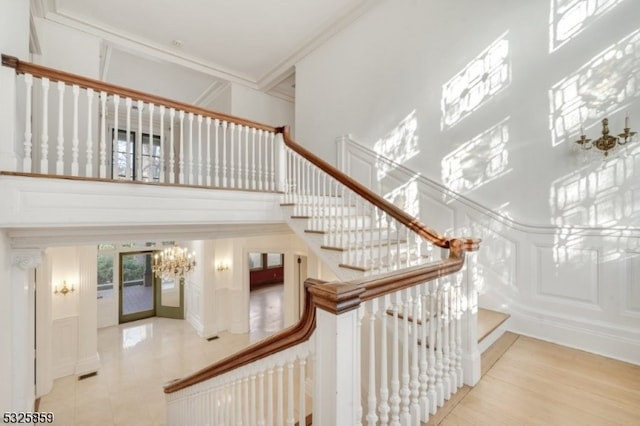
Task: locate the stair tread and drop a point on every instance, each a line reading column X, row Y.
column 488, row 321
column 359, row 247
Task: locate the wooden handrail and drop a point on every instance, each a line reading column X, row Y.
column 278, row 342
column 23, row 67
column 468, row 244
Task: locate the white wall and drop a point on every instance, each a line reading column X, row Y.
column 6, row 322
column 577, row 287
column 391, row 66
column 258, row 106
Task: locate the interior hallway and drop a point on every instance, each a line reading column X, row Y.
column 137, row 358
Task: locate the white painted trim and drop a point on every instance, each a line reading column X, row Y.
column 88, row 365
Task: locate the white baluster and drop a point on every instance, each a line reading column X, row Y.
column 138, row 170
column 445, row 341
column 424, row 377
column 60, row 146
column 103, row 134
column 453, row 379
column 199, row 154
column 74, row 139
column 261, row 420
column 383, row 408
column 372, row 418
column 270, row 397
column 161, row 158
column 253, row 158
column 190, row 143
column 302, row 375
column 152, row 163
column 291, row 420
column 247, row 183
column 239, row 143
column 115, row 165
column 272, row 150
column 181, row 150
column 245, row 401
column 439, row 343
column 394, row 400
column 172, row 169
column 459, row 370
column 260, row 177
column 26, row 161
column 358, row 390
column 224, row 154
column 432, row 393
column 128, row 153
column 216, row 129
column 208, row 121
column 237, row 402
column 414, row 383
column 44, row 148
column 280, row 394
column 252, row 413
column 88, row 168
column 232, row 142
column 405, row 393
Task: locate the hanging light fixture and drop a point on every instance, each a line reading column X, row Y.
column 173, row 263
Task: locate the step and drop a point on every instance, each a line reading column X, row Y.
column 338, row 237
column 491, row 325
column 354, row 223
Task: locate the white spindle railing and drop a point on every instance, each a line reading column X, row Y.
column 193, row 148
column 414, row 323
column 368, row 238
column 237, row 398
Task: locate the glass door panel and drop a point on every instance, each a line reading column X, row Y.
column 136, row 286
column 170, row 297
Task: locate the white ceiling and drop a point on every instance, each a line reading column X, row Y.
column 204, row 42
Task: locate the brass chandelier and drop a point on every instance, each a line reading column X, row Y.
column 173, row 263
column 606, row 142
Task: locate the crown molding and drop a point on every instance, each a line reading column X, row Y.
column 284, row 69
column 131, row 43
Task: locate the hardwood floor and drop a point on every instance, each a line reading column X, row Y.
column 531, row 382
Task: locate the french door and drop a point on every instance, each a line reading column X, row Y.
column 142, row 294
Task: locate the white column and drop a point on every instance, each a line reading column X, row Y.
column 23, row 263
column 88, row 359
column 334, row 401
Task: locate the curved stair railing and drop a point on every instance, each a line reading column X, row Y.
column 387, row 344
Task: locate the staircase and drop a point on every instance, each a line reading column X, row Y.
column 387, row 343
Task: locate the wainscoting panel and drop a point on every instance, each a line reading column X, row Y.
column 578, row 286
column 64, row 337
column 570, row 274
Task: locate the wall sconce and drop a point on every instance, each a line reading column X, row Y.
column 222, row 266
column 606, row 142
column 65, row 289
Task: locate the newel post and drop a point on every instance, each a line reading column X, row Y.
column 281, row 170
column 336, row 396
column 470, row 350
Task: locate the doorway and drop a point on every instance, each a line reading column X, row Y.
column 142, row 294
column 266, row 296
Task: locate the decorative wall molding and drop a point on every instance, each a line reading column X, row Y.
column 571, row 285
column 26, row 259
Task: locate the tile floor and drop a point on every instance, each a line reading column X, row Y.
column 137, row 358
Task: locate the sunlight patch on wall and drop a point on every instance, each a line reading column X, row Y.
column 479, row 81
column 569, row 18
column 399, row 145
column 406, row 196
column 603, row 197
column 478, row 161
column 604, row 85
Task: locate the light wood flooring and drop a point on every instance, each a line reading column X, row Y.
column 531, row 382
